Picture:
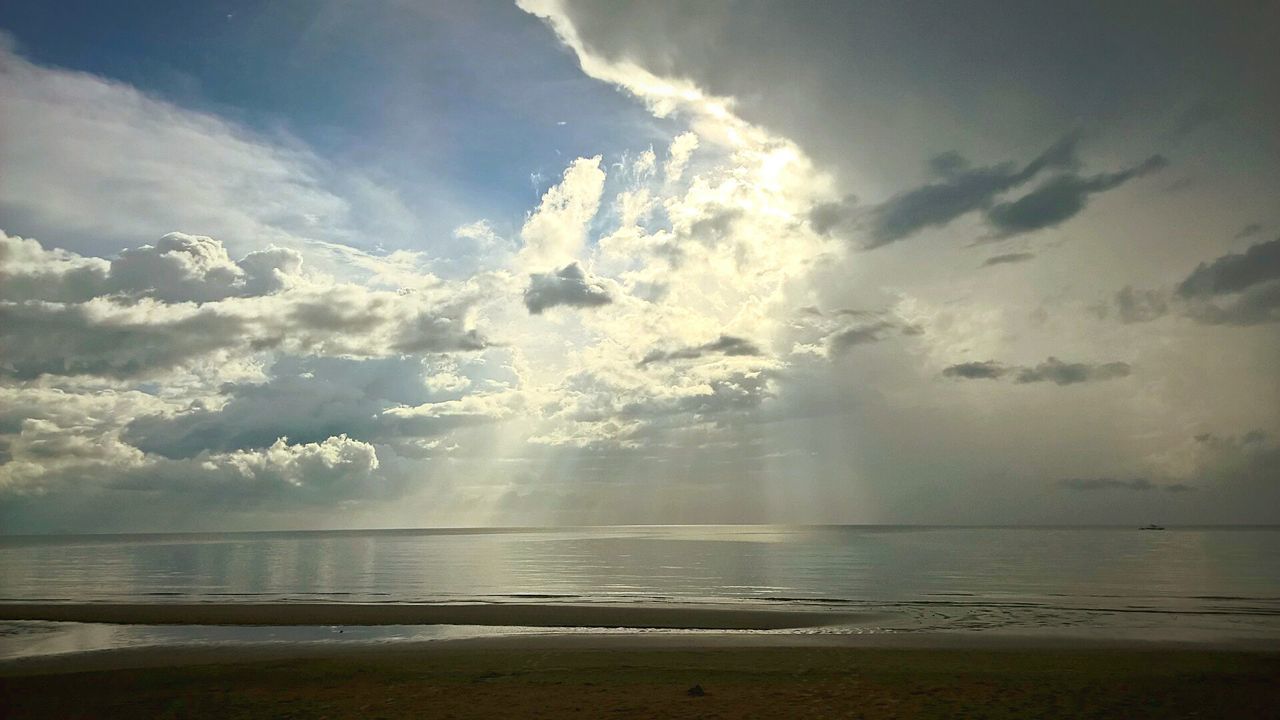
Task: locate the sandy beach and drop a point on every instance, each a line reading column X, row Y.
column 717, row 672
column 639, row 676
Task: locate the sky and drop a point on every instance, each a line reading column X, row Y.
column 412, row 264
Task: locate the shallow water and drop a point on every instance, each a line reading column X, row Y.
column 1177, row 583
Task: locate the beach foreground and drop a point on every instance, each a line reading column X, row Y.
column 649, row 680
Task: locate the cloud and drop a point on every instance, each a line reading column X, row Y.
column 1249, row 231
column 95, row 162
column 178, row 268
column 1234, row 272
column 304, row 399
column 282, row 475
column 1051, row 370
column 102, row 338
column 1135, row 306
column 960, row 190
column 161, row 308
column 567, row 286
column 1240, row 472
column 726, row 345
column 836, row 332
column 1008, row 258
column 988, row 370
column 556, row 231
column 855, row 335
column 1251, row 459
column 1237, row 288
column 1234, row 289
column 682, row 148
column 1138, row 484
column 1060, row 373
column 1059, row 199
column 841, row 215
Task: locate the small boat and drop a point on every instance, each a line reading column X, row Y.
column 1152, row 526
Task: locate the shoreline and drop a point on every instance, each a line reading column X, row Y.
column 177, row 655
column 601, row 615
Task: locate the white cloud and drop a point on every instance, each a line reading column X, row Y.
column 681, row 150
column 157, row 309
column 555, row 233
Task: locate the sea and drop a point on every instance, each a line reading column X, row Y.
column 1194, row 584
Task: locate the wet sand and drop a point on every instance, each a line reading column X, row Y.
column 627, row 674
column 526, row 615
column 635, row 677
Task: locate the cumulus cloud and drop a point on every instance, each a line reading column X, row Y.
column 102, row 338
column 158, row 308
column 681, row 150
column 178, row 268
column 556, row 232
column 281, row 475
column 1051, row 370
column 393, row 401
column 567, row 286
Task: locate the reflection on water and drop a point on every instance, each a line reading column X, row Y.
column 949, row 578
column 33, row 639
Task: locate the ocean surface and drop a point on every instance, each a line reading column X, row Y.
column 1180, row 583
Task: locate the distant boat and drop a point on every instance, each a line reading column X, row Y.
column 1152, row 526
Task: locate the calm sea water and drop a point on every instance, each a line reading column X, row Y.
column 1190, row 582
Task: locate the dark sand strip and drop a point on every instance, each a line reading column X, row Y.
column 468, row 681
column 525, row 615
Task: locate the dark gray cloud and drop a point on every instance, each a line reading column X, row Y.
column 1255, row 306
column 1250, row 458
column 1134, row 306
column 1060, row 199
column 1051, row 370
column 723, row 345
column 1249, row 231
column 826, row 217
column 306, row 400
column 850, row 337
column 387, row 401
column 1062, row 373
column 44, row 338
column 961, row 190
column 1139, row 484
column 1234, row 272
column 1008, row 258
column 988, row 370
column 567, row 286
column 1234, row 289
